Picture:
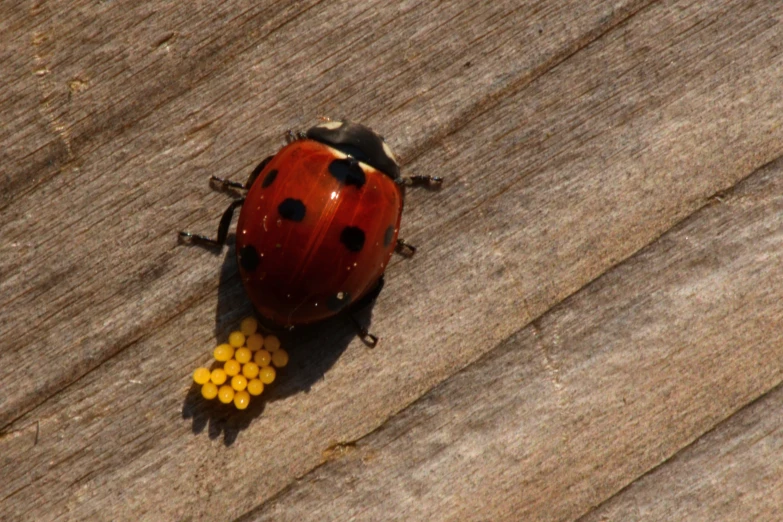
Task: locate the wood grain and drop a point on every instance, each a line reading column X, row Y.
column 732, row 473
column 572, row 135
column 159, row 98
column 593, row 394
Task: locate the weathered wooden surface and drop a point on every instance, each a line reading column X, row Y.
column 572, row 136
column 590, row 396
column 732, row 473
column 140, row 118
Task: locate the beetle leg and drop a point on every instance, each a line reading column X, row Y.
column 367, row 338
column 225, row 222
column 421, row 181
column 292, row 135
column 256, row 171
column 404, row 249
column 227, row 183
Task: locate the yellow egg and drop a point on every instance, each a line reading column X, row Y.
column 226, row 394
column 209, row 391
column 248, row 326
column 223, row 352
column 280, row 358
column 239, row 382
column 262, row 358
column 271, row 343
column 267, row 375
column 218, row 376
column 241, row 400
column 232, row 367
column 255, row 387
column 201, row 375
column 243, row 355
column 236, row 339
column 255, row 342
column 250, row 370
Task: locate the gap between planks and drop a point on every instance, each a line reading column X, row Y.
column 357, row 473
column 716, row 198
column 713, row 437
column 477, row 108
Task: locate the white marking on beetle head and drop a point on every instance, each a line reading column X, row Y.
column 331, row 125
column 387, row 150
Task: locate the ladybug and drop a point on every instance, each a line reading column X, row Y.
column 319, row 224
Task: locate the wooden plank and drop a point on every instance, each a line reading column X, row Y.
column 136, row 106
column 145, row 127
column 595, row 393
column 732, row 473
column 648, row 121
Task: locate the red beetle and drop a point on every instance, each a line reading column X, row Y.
column 319, row 223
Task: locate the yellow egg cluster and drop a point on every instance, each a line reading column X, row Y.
column 248, row 364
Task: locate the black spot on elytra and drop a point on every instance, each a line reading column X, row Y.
column 338, row 301
column 249, row 258
column 348, row 172
column 387, row 237
column 352, row 238
column 269, row 178
column 292, row 209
